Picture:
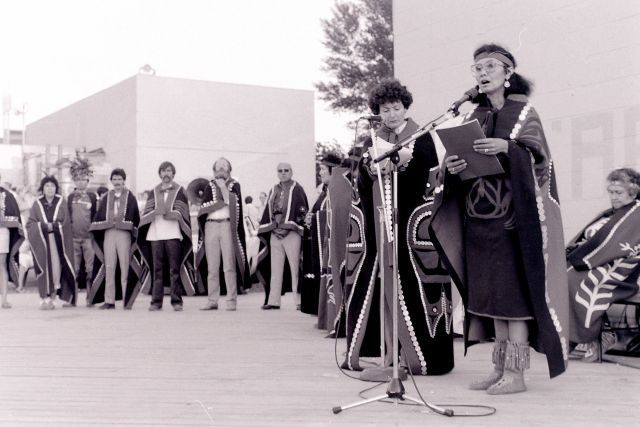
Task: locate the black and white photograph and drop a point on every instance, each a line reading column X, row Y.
column 321, row 212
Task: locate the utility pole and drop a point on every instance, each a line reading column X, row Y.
column 6, row 114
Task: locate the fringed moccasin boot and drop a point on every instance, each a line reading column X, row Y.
column 515, row 362
column 499, row 349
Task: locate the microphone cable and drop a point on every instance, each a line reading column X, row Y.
column 488, row 410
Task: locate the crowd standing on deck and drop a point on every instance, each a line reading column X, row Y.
column 405, row 220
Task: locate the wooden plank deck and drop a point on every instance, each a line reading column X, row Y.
column 87, row 367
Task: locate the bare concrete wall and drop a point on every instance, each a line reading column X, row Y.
column 191, row 123
column 145, row 120
column 583, row 56
column 106, row 119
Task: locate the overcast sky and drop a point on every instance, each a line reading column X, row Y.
column 56, row 52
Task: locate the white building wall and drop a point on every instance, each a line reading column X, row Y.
column 583, row 57
column 106, row 119
column 146, row 119
column 191, row 123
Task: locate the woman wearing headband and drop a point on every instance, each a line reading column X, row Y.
column 603, row 263
column 501, row 235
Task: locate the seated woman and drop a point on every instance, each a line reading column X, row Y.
column 603, row 261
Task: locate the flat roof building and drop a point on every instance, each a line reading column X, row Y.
column 147, row 119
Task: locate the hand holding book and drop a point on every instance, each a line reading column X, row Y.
column 469, row 153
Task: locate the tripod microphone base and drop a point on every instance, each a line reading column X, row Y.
column 395, row 389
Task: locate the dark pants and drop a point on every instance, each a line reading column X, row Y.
column 166, row 251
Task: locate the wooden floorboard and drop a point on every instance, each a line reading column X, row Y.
column 87, row 367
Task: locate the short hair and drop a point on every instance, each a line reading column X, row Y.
column 222, row 159
column 390, row 90
column 101, row 190
column 248, row 199
column 49, row 178
column 628, row 178
column 329, row 167
column 518, row 84
column 118, row 172
column 166, row 165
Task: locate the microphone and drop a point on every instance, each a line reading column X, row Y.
column 371, row 118
column 468, row 95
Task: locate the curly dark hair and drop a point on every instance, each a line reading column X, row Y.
column 519, row 84
column 49, row 178
column 101, row 190
column 118, row 172
column 390, row 90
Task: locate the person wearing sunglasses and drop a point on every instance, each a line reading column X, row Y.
column 501, row 235
column 280, row 233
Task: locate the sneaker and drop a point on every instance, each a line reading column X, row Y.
column 6, row 304
column 177, row 307
column 154, row 307
column 210, row 306
column 107, row 306
column 47, row 305
column 231, row 307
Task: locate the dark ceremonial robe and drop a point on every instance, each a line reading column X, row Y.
column 535, row 226
column 339, row 206
column 603, row 268
column 211, row 201
column 10, row 219
column 175, row 208
column 424, row 300
column 313, row 259
column 57, row 215
column 127, row 219
column 297, row 206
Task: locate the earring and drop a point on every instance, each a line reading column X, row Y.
column 480, row 90
column 507, row 84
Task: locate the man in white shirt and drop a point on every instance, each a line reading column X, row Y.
column 222, row 236
column 165, row 239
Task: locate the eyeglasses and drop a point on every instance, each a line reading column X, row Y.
column 284, row 170
column 489, row 67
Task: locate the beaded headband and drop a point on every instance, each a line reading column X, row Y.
column 500, row 56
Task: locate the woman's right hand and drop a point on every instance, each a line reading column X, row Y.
column 454, row 164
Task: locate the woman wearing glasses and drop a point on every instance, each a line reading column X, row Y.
column 501, row 235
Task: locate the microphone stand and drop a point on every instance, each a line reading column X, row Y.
column 448, row 115
column 395, row 389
